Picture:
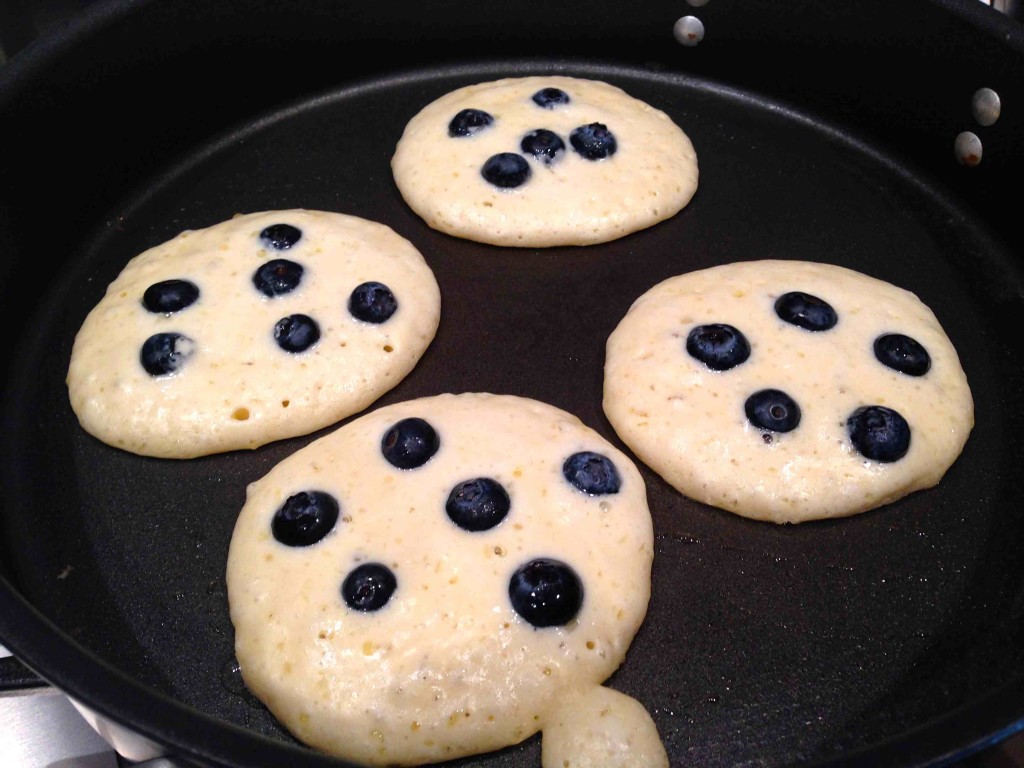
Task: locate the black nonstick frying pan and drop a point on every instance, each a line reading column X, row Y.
column 824, row 131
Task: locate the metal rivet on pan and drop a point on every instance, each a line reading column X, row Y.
column 689, row 30
column 968, row 149
column 985, row 106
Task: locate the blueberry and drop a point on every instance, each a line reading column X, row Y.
column 546, row 592
column 718, row 345
column 543, row 144
column 806, row 311
column 772, row 409
column 506, row 170
column 280, row 237
column 164, row 353
column 469, row 121
column 277, row 277
column 477, row 505
column 368, row 587
column 296, row 333
column 902, row 353
column 879, row 433
column 410, row 443
column 592, row 473
column 593, row 141
column 170, row 296
column 549, row 98
column 372, row 302
column 305, row 518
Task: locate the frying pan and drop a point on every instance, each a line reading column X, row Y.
column 824, row 131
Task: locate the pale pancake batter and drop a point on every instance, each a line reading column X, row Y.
column 543, row 161
column 266, row 326
column 445, row 577
column 786, row 390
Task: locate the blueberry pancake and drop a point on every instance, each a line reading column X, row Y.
column 787, row 390
column 543, row 161
column 265, row 326
column 444, row 577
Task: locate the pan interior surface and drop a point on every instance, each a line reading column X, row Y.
column 764, row 644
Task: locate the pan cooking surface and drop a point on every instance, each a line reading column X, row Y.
column 763, row 645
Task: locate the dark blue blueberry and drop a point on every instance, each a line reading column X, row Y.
column 717, row 345
column 478, row 504
column 546, row 592
column 372, row 302
column 410, row 443
column 772, row 409
column 879, row 433
column 277, row 276
column 902, row 353
column 164, row 353
column 305, row 518
column 506, row 170
column 280, row 237
column 806, row 311
column 296, row 333
column 368, row 587
column 469, row 121
column 593, row 141
column 170, row 296
column 549, row 98
column 592, row 473
column 543, row 144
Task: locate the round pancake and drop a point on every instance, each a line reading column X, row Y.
column 688, row 421
column 239, row 334
column 571, row 197
column 434, row 657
